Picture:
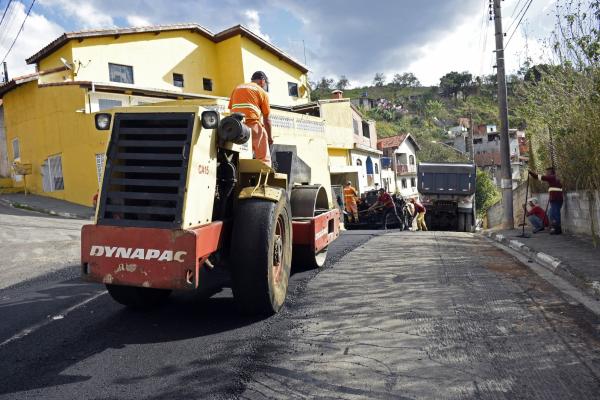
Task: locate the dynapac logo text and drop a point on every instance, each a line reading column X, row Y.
column 137, row 253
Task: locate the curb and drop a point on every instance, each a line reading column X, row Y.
column 16, row 204
column 553, row 264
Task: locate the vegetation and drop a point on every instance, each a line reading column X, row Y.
column 486, row 194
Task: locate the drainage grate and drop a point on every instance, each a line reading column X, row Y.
column 146, row 170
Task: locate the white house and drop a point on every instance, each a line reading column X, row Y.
column 399, row 162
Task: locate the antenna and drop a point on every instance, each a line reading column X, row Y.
column 66, row 63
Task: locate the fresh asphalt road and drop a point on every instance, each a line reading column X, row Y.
column 397, row 316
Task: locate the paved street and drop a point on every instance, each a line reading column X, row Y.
column 401, row 315
column 34, row 244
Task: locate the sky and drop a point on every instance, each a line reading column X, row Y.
column 355, row 38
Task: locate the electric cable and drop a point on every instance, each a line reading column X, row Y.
column 5, row 10
column 518, row 24
column 19, row 32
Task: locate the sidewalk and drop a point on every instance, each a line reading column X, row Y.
column 571, row 257
column 47, row 205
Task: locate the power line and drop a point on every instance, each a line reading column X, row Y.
column 521, row 12
column 5, row 10
column 19, row 32
column 9, row 23
column 519, row 23
column 516, row 7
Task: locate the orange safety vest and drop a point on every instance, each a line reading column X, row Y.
column 250, row 99
column 350, row 195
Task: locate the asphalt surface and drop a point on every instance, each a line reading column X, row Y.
column 61, row 338
column 406, row 315
column 35, row 244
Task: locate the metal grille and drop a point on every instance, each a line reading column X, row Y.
column 146, row 170
column 100, row 158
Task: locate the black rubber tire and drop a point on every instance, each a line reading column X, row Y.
column 138, row 297
column 254, row 284
column 304, row 258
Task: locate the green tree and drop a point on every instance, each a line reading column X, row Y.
column 454, row 83
column 486, row 193
column 379, row 79
column 407, row 79
column 342, row 83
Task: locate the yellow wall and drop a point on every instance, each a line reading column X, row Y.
column 46, row 122
column 338, row 124
column 53, row 60
column 338, row 157
column 278, row 71
column 229, row 59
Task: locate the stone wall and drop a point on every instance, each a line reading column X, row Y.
column 580, row 211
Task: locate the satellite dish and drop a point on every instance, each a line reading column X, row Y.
column 66, row 63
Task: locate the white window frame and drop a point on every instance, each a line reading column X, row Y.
column 17, row 153
column 52, row 175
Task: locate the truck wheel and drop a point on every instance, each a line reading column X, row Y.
column 261, row 253
column 305, row 258
column 138, row 297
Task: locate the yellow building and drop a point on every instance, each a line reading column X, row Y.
column 48, row 115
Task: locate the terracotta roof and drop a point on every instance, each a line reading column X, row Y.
column 483, row 160
column 396, row 141
column 224, row 35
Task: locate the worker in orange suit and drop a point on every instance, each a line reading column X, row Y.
column 252, row 100
column 350, row 196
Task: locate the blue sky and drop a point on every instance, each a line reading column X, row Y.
column 355, row 38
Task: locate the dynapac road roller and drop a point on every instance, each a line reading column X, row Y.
column 183, row 206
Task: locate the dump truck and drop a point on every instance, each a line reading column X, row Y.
column 447, row 191
column 184, row 206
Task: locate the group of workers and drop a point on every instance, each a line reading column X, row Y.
column 536, row 215
column 252, row 100
column 384, row 204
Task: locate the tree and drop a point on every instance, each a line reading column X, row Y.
column 379, row 79
column 407, row 79
column 325, row 84
column 454, row 83
column 486, row 193
column 343, row 83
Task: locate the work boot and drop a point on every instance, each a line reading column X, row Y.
column 557, row 230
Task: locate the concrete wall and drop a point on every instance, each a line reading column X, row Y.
column 580, row 210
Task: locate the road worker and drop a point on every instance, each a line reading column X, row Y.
column 252, row 100
column 536, row 215
column 385, row 202
column 420, row 214
column 350, row 196
column 555, row 197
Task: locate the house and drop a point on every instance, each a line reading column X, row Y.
column 49, row 114
column 399, row 164
column 364, row 102
column 486, row 150
column 351, row 141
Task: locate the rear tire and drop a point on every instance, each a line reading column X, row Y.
column 461, row 222
column 261, row 254
column 138, row 297
column 468, row 222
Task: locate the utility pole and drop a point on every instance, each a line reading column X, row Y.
column 506, row 176
column 469, row 146
column 5, row 72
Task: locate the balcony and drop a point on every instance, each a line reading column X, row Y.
column 404, row 169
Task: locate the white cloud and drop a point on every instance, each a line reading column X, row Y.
column 37, row 32
column 87, row 14
column 252, row 22
column 136, row 20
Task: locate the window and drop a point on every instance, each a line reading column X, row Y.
column 293, row 89
column 359, row 162
column 207, row 84
column 355, row 126
column 178, row 80
column 366, row 132
column 105, row 104
column 477, row 141
column 376, row 168
column 403, row 183
column 16, row 148
column 120, row 73
column 411, row 160
column 413, row 182
column 52, row 177
column 100, row 166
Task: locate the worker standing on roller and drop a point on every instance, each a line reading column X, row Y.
column 252, row 100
